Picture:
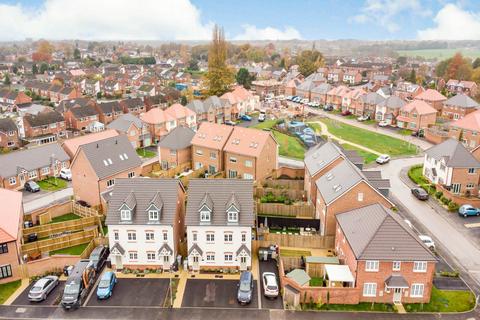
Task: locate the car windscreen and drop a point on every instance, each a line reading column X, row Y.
column 272, row 287
column 94, row 256
column 72, row 288
column 244, row 286
column 37, row 288
column 104, row 283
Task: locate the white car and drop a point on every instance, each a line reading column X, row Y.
column 383, row 123
column 304, row 101
column 427, row 241
column 42, row 288
column 363, row 118
column 66, row 174
column 382, row 159
column 408, row 223
column 270, row 285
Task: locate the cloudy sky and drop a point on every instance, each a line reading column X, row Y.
column 245, row 20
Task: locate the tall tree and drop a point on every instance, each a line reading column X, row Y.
column 43, row 67
column 76, row 54
column 219, row 76
column 6, row 80
column 34, row 68
column 476, row 63
column 309, row 61
column 413, row 76
column 244, row 78
column 455, row 65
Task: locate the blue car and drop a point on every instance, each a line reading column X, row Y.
column 246, row 118
column 467, row 210
column 106, row 285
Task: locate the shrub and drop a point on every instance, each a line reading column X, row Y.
column 444, row 200
column 452, row 206
column 451, row 274
column 438, row 194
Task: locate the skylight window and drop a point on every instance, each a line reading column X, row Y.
column 121, row 157
column 329, row 176
column 125, row 156
column 105, row 162
column 109, row 161
column 337, row 188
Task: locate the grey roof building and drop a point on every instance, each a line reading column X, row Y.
column 12, row 164
column 322, row 88
column 217, row 196
column 140, row 195
column 123, row 122
column 7, row 125
column 461, row 101
column 375, row 233
column 454, row 154
column 321, row 155
column 110, row 156
column 372, row 98
column 110, row 107
column 179, row 138
column 43, row 118
column 212, row 102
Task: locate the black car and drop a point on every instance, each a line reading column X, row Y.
column 98, row 257
column 328, row 107
column 32, row 237
column 420, row 194
column 32, row 186
column 419, row 134
column 83, row 203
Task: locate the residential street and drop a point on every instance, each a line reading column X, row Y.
column 462, row 248
column 46, row 199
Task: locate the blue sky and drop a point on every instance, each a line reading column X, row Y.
column 247, row 19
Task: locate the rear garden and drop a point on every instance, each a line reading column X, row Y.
column 73, row 251
column 145, row 153
column 289, row 146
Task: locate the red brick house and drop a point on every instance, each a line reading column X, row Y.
column 109, row 111
column 9, row 134
column 176, row 148
column 79, row 117
column 133, row 105
column 335, row 96
column 389, row 262
column 469, row 88
column 11, row 98
column 416, row 115
column 434, row 98
column 44, row 127
column 458, row 107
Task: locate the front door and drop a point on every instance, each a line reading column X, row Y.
column 195, row 263
column 118, row 263
column 22, row 179
column 243, row 263
column 166, row 262
column 397, row 295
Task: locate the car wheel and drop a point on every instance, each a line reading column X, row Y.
column 478, row 214
column 44, row 297
column 464, row 215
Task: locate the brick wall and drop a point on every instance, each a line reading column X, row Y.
column 11, row 258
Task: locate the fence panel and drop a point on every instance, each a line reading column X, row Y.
column 284, row 183
column 84, row 211
column 303, row 210
column 46, row 230
column 298, row 241
column 294, row 194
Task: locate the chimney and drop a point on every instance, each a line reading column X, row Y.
column 97, row 145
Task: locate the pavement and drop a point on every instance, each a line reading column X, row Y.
column 457, row 244
column 42, row 199
column 283, row 161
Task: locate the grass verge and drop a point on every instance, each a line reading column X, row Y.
column 65, row 217
column 367, row 156
column 445, row 301
column 142, row 152
column 73, row 251
column 52, row 184
column 362, row 306
column 7, row 289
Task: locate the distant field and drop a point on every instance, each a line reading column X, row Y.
column 439, row 53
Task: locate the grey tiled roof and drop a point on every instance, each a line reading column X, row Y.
column 454, row 154
column 145, row 193
column 195, row 247
column 319, row 156
column 30, row 159
column 217, row 193
column 372, row 98
column 43, row 118
column 7, row 125
column 123, row 122
column 111, row 151
column 110, row 107
column 461, row 100
column 392, row 102
column 375, row 233
column 322, row 88
column 179, row 138
column 119, row 248
column 83, row 111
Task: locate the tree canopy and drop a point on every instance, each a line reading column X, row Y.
column 244, row 78
column 219, row 76
column 309, row 61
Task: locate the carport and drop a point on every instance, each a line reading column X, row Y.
column 338, row 276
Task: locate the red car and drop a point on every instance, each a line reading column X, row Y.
column 346, row 113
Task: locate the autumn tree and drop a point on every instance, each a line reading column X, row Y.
column 413, row 76
column 34, row 68
column 219, row 76
column 476, row 63
column 44, row 47
column 309, row 61
column 43, row 67
column 244, row 78
column 457, row 68
column 476, row 75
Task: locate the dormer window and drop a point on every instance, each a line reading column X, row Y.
column 153, row 215
column 125, row 215
column 205, row 215
column 232, row 216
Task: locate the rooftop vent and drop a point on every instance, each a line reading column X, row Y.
column 329, row 176
column 337, row 188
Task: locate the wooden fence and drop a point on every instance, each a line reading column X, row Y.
column 299, row 241
column 303, row 210
column 82, row 211
column 172, row 172
column 195, row 174
column 283, row 184
column 294, row 194
column 44, row 231
column 65, row 241
column 45, row 214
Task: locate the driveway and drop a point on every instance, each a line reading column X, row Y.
column 52, row 299
column 34, row 201
column 138, row 292
column 247, row 124
column 206, row 293
column 452, row 236
column 269, row 266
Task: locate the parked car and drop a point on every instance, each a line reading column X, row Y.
column 382, row 159
column 106, row 285
column 245, row 288
column 32, row 186
column 427, row 241
column 66, row 174
column 270, row 285
column 261, row 117
column 78, row 285
column 304, row 101
column 328, row 107
column 408, row 223
column 32, row 237
column 363, row 118
column 418, row 133
column 420, row 193
column 289, row 98
column 246, row 117
column 229, row 123
column 383, row 123
column 467, row 210
column 84, row 203
column 346, row 113
column 27, row 224
column 98, row 257
column 42, row 288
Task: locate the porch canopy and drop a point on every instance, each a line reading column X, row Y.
column 396, row 281
column 338, row 273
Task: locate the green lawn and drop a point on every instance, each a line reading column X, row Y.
column 416, row 175
column 74, row 251
column 445, row 301
column 52, row 184
column 375, row 141
column 367, row 156
column 7, row 289
column 290, row 147
column 267, row 124
column 294, row 253
column 142, row 152
column 362, row 306
column 316, row 282
column 316, row 127
column 65, row 217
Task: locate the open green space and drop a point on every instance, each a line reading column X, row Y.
column 415, row 174
column 439, row 53
column 295, row 253
column 7, row 289
column 52, row 184
column 65, row 217
column 289, row 146
column 267, row 124
column 142, row 152
column 367, row 156
column 73, row 251
column 372, row 140
column 362, row 306
column 445, row 301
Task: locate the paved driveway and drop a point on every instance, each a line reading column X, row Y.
column 52, row 299
column 138, row 292
column 215, row 294
column 269, row 266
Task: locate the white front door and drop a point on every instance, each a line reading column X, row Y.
column 195, row 264
column 397, row 295
column 243, row 263
column 118, row 262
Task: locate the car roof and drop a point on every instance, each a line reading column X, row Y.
column 107, row 275
column 41, row 282
column 246, row 275
column 424, row 237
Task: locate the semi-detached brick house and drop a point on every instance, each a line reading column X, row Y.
column 416, row 115
column 176, row 148
column 96, row 165
column 133, row 105
column 467, row 130
column 10, row 235
column 434, row 98
column 81, row 118
column 386, row 258
column 36, row 164
column 44, row 127
column 109, row 111
column 458, row 107
column 134, row 128
column 345, row 188
column 8, row 134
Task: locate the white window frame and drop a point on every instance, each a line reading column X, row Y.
column 228, row 257
column 396, row 265
column 133, row 255
column 165, row 236
column 131, row 174
column 369, row 289
column 110, row 183
column 471, row 170
column 205, row 216
column 244, row 236
column 131, row 236
column 420, row 266
column 210, row 237
column 116, row 235
column 45, row 170
column 153, row 215
column 232, row 160
column 210, row 256
column 194, row 236
column 417, row 290
column 125, row 215
column 151, row 256
column 12, row 180
column 228, row 237
column 232, row 216
column 149, row 236
column 248, row 163
column 372, row 265
column 360, row 196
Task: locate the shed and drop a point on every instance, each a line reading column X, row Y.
column 299, row 276
column 338, row 276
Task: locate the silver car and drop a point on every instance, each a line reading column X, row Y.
column 42, row 288
column 270, row 286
